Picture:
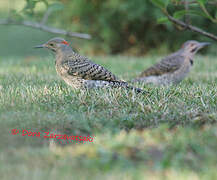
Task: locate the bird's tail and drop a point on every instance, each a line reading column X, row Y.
column 137, row 90
column 125, row 85
column 113, row 84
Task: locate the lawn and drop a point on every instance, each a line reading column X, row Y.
column 168, row 133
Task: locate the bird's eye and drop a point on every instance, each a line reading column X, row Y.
column 51, row 44
column 194, row 49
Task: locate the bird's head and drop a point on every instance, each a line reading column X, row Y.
column 191, row 47
column 54, row 44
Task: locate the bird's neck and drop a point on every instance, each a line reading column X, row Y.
column 63, row 52
column 187, row 55
column 64, row 49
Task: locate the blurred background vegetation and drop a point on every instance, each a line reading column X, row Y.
column 116, row 26
column 170, row 133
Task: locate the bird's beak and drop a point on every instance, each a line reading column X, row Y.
column 203, row 44
column 40, row 46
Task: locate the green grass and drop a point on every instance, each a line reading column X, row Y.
column 169, row 133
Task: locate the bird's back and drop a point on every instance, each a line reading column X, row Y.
column 84, row 68
column 168, row 64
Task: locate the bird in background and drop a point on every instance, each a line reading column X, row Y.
column 173, row 68
column 79, row 71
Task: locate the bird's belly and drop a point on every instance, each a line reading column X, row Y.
column 97, row 84
column 73, row 81
column 180, row 75
column 165, row 79
column 153, row 79
column 157, row 80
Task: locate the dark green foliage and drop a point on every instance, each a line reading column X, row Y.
column 122, row 26
column 119, row 26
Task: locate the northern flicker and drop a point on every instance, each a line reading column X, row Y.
column 79, row 71
column 173, row 68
